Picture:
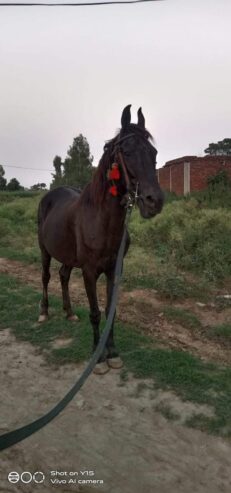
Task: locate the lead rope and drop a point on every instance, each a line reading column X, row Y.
column 15, row 436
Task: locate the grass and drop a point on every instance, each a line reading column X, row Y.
column 222, row 332
column 189, row 377
column 18, row 226
column 184, row 317
column 145, row 271
column 187, row 238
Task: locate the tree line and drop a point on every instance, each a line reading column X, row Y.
column 77, row 168
column 14, row 185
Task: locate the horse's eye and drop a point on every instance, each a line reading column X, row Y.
column 127, row 153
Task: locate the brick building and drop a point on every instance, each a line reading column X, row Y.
column 190, row 173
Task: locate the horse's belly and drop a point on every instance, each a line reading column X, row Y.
column 59, row 243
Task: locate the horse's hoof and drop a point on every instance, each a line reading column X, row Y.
column 101, row 368
column 73, row 318
column 42, row 318
column 115, row 363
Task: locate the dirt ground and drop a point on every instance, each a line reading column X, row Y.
column 109, row 428
column 141, row 308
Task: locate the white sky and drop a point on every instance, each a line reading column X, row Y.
column 65, row 71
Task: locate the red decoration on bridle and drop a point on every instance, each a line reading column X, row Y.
column 113, row 175
column 113, row 190
column 114, row 172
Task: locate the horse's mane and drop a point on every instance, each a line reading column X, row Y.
column 95, row 191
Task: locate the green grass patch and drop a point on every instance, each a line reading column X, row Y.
column 184, row 317
column 189, row 237
column 222, row 331
column 178, row 371
column 167, row 281
column 18, row 226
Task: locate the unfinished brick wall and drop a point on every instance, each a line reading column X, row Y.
column 177, row 178
column 172, row 175
column 202, row 168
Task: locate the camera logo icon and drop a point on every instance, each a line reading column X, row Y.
column 26, row 477
column 13, row 477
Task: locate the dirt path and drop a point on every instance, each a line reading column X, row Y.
column 107, row 429
column 140, row 308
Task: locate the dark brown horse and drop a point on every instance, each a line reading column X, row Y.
column 84, row 229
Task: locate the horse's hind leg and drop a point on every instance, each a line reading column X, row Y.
column 46, row 260
column 64, row 274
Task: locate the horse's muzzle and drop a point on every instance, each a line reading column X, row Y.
column 151, row 205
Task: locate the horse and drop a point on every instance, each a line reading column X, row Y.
column 83, row 229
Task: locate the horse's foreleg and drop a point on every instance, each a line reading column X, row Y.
column 46, row 260
column 64, row 274
column 90, row 280
column 113, row 356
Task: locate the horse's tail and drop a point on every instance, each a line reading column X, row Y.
column 44, row 206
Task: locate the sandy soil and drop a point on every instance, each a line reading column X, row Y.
column 112, row 429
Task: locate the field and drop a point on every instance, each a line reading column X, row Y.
column 174, row 334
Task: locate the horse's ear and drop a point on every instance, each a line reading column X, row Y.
column 141, row 120
column 126, row 116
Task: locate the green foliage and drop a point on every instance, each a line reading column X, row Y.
column 18, row 225
column 13, row 185
column 76, row 169
column 219, row 182
column 6, row 196
column 221, row 148
column 188, row 237
column 38, row 186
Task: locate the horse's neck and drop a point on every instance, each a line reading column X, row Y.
column 110, row 217
column 114, row 213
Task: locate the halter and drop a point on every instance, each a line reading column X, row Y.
column 131, row 195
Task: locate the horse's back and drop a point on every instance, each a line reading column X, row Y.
column 59, row 197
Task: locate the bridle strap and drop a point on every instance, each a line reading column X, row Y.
column 131, row 196
column 123, row 166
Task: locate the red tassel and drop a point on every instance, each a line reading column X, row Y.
column 113, row 190
column 114, row 173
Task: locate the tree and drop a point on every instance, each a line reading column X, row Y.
column 13, row 185
column 221, row 148
column 2, row 179
column 38, row 186
column 77, row 167
column 58, row 175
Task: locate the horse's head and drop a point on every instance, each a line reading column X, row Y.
column 138, row 156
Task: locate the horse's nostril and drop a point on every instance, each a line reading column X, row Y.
column 150, row 199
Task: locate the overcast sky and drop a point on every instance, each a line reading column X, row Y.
column 65, row 71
